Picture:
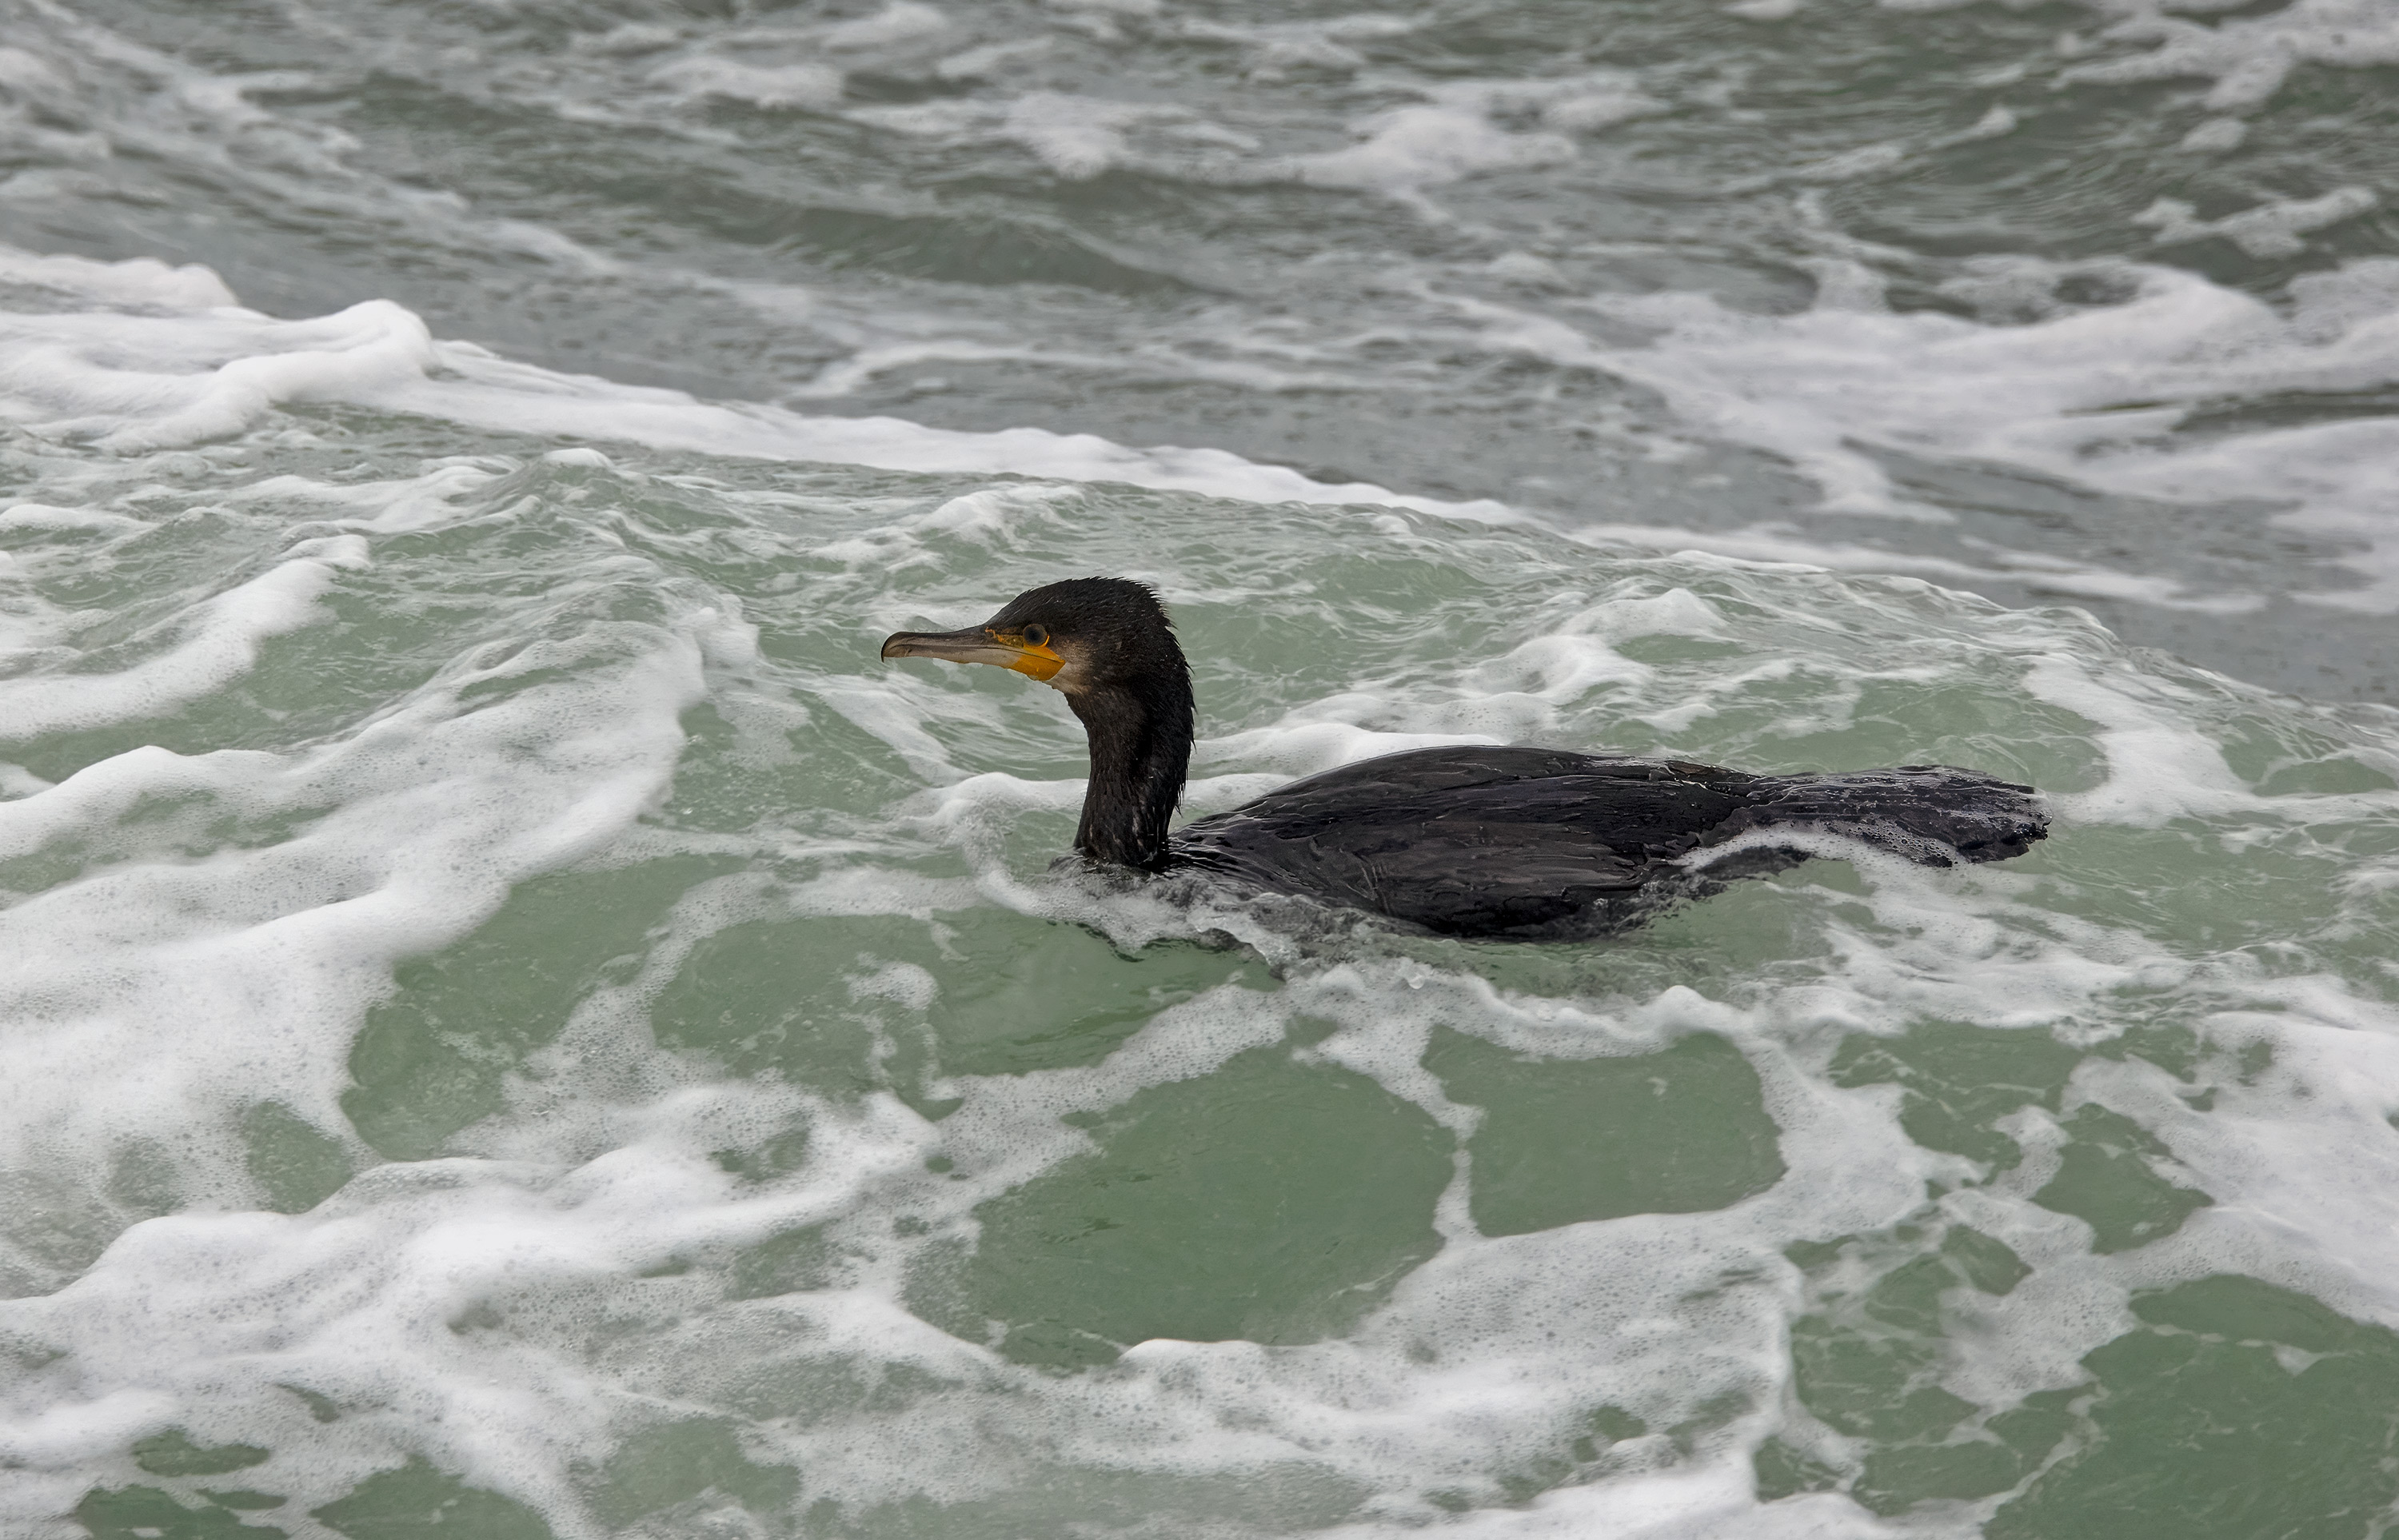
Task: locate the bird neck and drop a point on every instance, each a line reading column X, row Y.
column 1141, row 746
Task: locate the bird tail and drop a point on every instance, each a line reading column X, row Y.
column 1934, row 815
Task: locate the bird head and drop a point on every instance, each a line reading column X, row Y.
column 1082, row 636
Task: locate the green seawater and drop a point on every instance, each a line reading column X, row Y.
column 515, row 1024
column 722, row 1119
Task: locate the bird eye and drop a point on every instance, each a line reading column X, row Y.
column 1036, row 636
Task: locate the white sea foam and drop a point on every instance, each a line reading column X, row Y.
column 2275, row 229
column 193, row 933
column 2217, row 134
column 452, row 1307
column 1272, row 50
column 2094, row 395
column 899, row 21
column 2064, row 416
column 462, row 1308
column 1457, row 132
column 255, row 945
column 2247, row 58
column 1077, row 138
column 210, row 375
column 1412, row 147
column 812, row 86
column 140, row 284
column 218, row 642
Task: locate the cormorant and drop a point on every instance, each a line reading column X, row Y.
column 1518, row 842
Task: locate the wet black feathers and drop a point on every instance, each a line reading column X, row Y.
column 1128, row 681
column 1529, row 842
column 1501, row 842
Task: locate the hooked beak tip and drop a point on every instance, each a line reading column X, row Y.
column 979, row 644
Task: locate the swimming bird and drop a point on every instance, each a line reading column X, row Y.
column 1503, row 841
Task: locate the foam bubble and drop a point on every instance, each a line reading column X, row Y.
column 2268, row 230
column 1075, row 137
column 1454, row 134
column 1412, row 147
column 2217, row 134
column 899, row 21
column 1273, row 49
column 810, row 85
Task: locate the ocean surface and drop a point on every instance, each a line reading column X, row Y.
column 515, row 1024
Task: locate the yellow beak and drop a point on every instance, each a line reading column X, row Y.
column 978, row 644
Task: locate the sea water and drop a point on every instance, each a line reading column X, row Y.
column 512, row 1018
